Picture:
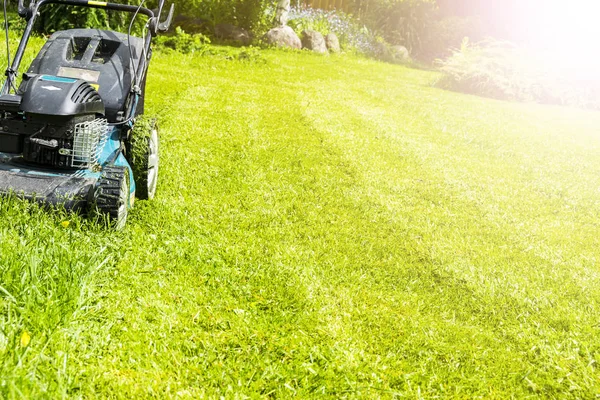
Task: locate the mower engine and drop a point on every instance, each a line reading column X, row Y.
column 56, row 122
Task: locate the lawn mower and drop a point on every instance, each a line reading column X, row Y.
column 73, row 133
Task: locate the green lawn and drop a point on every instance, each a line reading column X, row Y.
column 324, row 227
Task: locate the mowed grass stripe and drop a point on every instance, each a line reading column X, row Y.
column 232, row 166
column 466, row 229
column 541, row 295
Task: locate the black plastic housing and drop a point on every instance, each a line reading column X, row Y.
column 102, row 53
column 54, row 96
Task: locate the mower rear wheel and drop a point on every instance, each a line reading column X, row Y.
column 142, row 154
column 111, row 198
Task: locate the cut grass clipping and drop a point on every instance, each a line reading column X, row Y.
column 323, row 227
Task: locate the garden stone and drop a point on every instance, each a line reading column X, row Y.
column 400, row 53
column 332, row 42
column 381, row 51
column 283, row 36
column 313, row 40
column 234, row 33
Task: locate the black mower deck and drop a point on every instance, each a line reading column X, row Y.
column 72, row 191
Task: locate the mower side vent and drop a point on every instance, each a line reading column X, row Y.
column 88, row 141
column 85, row 93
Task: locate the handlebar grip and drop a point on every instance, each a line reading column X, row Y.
column 164, row 26
column 22, row 10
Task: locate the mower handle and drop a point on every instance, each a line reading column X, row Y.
column 166, row 24
column 156, row 25
column 27, row 12
column 22, row 10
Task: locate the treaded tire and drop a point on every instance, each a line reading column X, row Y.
column 111, row 198
column 142, row 154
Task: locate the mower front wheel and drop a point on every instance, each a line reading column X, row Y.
column 142, row 154
column 111, row 197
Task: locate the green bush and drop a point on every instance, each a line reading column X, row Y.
column 304, row 18
column 486, row 69
column 16, row 24
column 501, row 70
column 403, row 22
column 58, row 17
column 184, row 42
column 254, row 15
column 418, row 25
column 447, row 33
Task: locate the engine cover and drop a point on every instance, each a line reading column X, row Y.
column 57, row 96
column 101, row 57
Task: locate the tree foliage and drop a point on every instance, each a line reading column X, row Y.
column 56, row 17
column 427, row 28
column 256, row 15
column 250, row 14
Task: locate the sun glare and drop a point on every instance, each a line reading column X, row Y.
column 565, row 33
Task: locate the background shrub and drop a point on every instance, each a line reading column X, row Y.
column 58, row 17
column 446, row 33
column 501, row 70
column 419, row 25
column 254, row 15
column 184, row 42
column 403, row 22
